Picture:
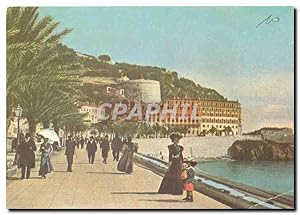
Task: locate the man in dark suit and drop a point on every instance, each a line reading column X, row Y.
column 105, row 148
column 26, row 156
column 91, row 148
column 116, row 145
column 82, row 142
column 70, row 151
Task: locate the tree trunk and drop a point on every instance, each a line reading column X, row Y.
column 32, row 125
column 56, row 128
column 46, row 124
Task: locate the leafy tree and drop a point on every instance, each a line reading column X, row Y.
column 104, row 58
column 156, row 128
column 227, row 130
column 212, row 130
column 41, row 78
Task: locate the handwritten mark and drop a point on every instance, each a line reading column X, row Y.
column 269, row 20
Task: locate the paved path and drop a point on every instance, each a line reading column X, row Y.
column 95, row 186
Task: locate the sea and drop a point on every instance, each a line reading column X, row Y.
column 274, row 176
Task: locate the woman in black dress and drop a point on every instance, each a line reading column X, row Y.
column 172, row 182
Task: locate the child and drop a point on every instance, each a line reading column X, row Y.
column 188, row 183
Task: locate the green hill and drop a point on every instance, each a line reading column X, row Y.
column 172, row 85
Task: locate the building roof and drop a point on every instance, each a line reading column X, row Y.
column 199, row 99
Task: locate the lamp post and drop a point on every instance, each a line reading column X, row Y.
column 18, row 112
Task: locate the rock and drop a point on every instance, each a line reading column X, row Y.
column 260, row 150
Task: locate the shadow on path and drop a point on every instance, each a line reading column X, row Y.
column 13, row 178
column 136, row 193
column 162, row 200
column 76, row 163
column 107, row 173
column 19, row 178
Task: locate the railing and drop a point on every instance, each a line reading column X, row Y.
column 232, row 194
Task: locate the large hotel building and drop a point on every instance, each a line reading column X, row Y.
column 221, row 116
column 209, row 114
column 201, row 116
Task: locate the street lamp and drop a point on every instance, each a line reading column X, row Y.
column 18, row 112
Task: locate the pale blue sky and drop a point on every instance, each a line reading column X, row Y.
column 217, row 47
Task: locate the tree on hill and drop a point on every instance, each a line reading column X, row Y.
column 105, row 58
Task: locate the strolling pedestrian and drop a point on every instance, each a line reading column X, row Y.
column 14, row 144
column 116, row 145
column 125, row 164
column 91, row 148
column 82, row 142
column 70, row 151
column 45, row 166
column 26, row 151
column 188, row 181
column 105, row 148
column 172, row 182
column 77, row 139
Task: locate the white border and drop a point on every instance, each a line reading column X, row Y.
column 6, row 3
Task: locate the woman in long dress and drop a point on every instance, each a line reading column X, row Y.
column 172, row 182
column 125, row 164
column 45, row 166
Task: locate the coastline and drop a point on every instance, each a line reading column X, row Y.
column 242, row 195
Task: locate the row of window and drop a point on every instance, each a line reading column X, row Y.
column 220, row 104
column 219, row 114
column 177, row 120
column 232, row 121
column 89, row 110
column 193, row 121
column 220, row 110
column 218, row 126
column 170, row 102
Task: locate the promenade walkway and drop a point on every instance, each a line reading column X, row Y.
column 92, row 186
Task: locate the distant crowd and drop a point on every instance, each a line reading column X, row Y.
column 25, row 152
column 178, row 178
column 126, row 146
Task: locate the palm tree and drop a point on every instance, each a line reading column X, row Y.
column 212, row 130
column 40, row 76
column 156, row 127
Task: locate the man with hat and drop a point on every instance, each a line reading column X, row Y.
column 70, row 151
column 91, row 148
column 105, row 148
column 26, row 156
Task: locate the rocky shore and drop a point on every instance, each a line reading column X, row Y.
column 260, row 150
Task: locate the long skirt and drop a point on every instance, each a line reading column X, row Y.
column 172, row 182
column 125, row 164
column 104, row 154
column 45, row 166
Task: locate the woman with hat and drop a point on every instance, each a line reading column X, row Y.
column 125, row 164
column 45, row 166
column 172, row 182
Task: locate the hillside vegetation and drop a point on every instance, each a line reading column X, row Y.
column 172, row 85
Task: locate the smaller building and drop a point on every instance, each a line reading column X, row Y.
column 12, row 130
column 147, row 91
column 91, row 111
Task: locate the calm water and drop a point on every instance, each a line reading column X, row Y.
column 267, row 175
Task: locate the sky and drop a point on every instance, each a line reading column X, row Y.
column 217, row 47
